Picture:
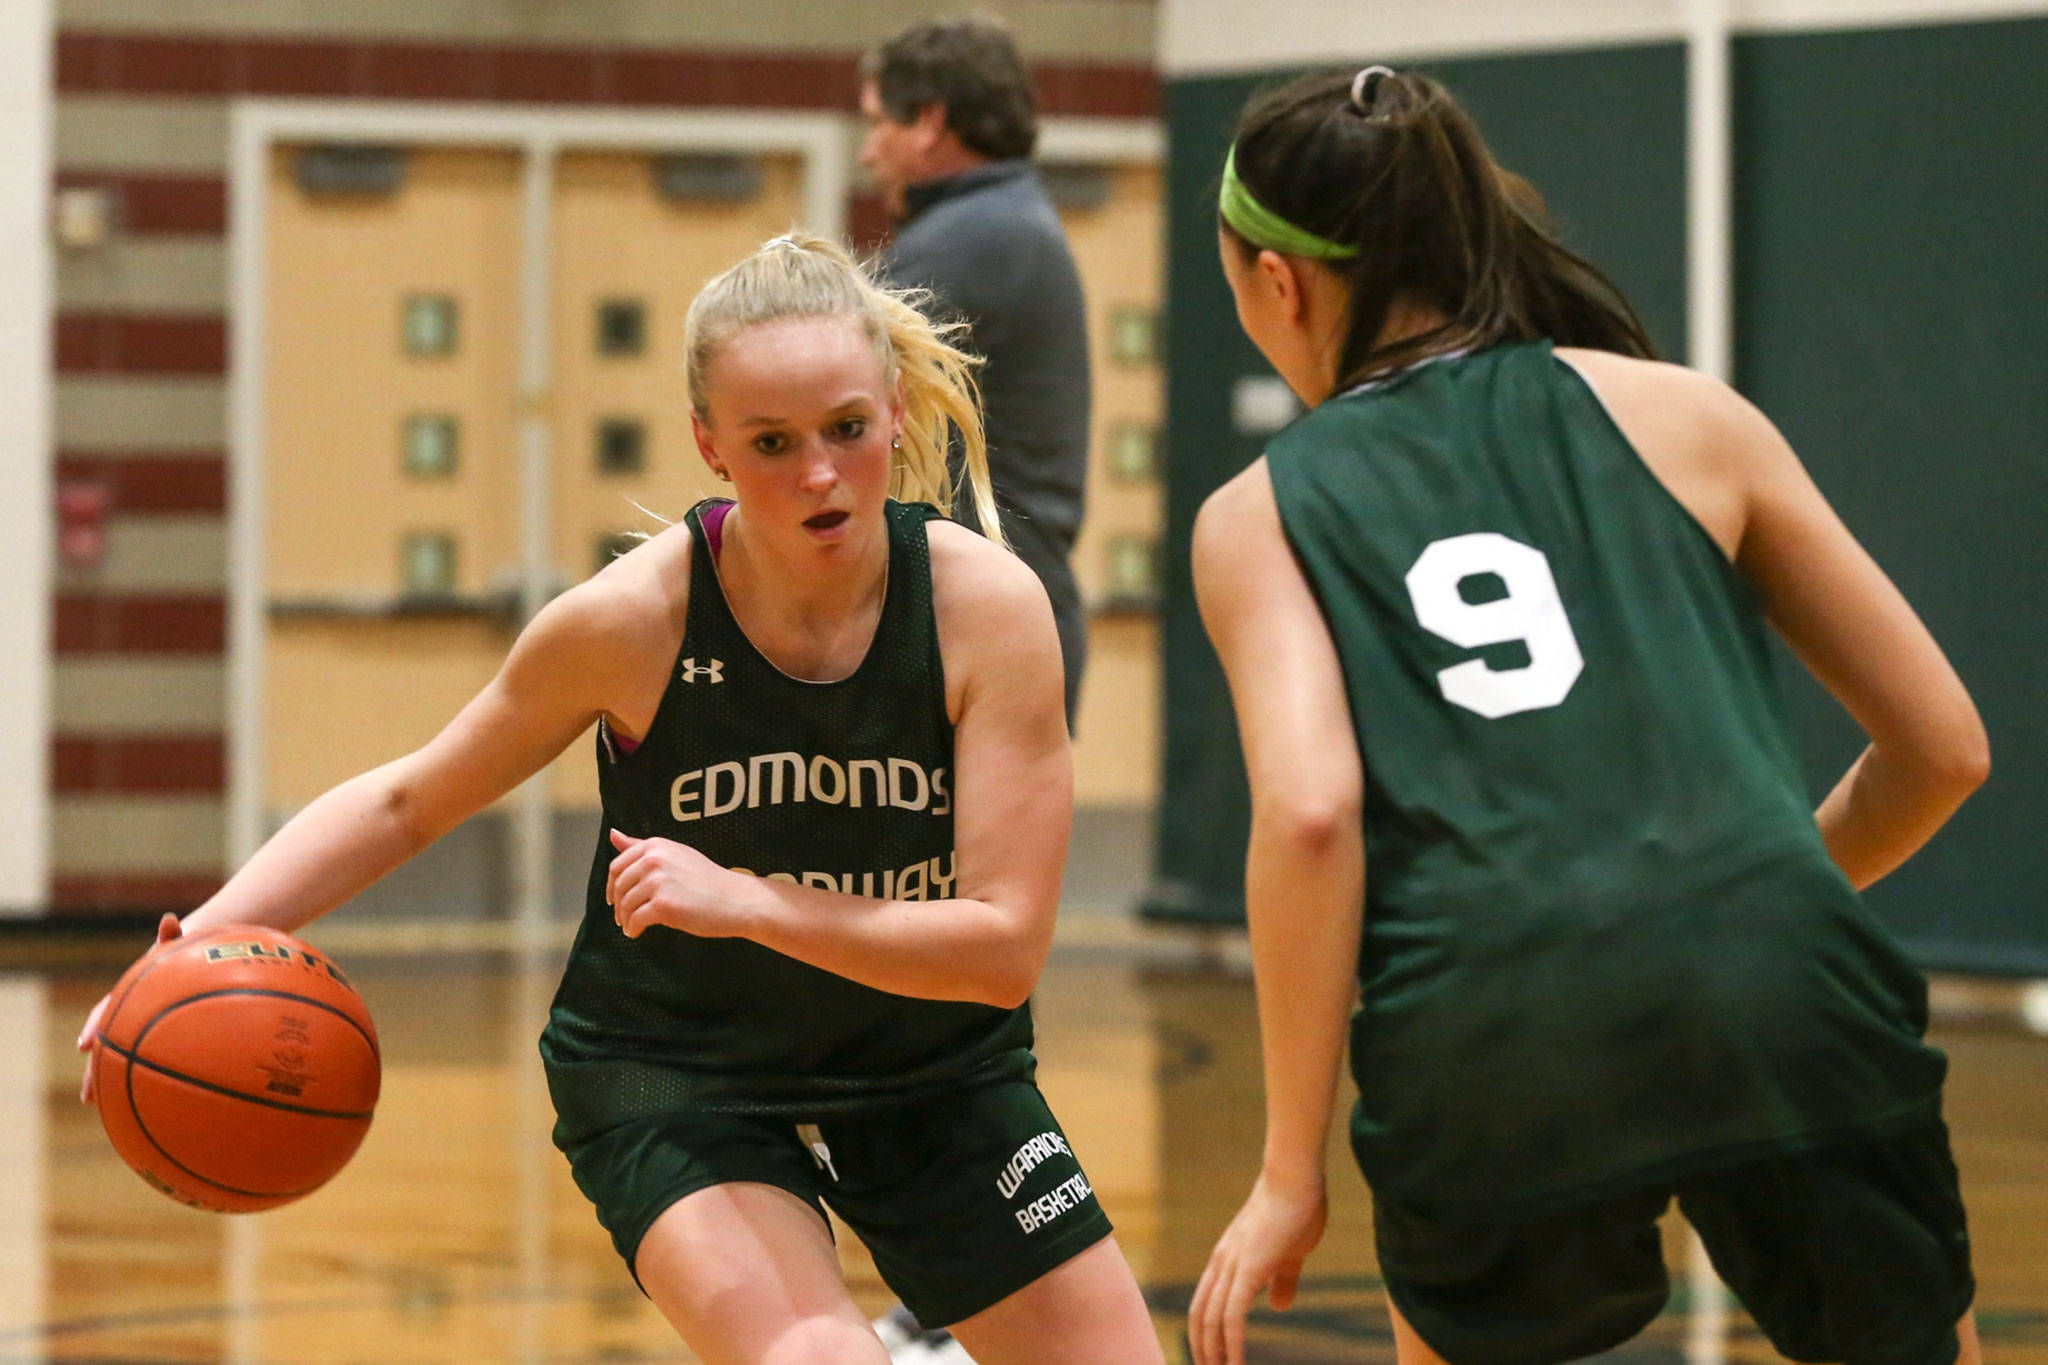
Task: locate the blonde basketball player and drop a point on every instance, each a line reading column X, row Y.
column 833, row 756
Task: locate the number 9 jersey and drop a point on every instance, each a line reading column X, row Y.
column 1603, row 939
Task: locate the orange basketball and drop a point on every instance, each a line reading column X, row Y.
column 237, row 1069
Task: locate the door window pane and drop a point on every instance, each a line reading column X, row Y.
column 426, row 564
column 1133, row 335
column 621, row 327
column 430, row 445
column 1133, row 452
column 621, row 445
column 1131, row 579
column 429, row 325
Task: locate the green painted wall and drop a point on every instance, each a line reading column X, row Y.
column 1601, row 133
column 1892, row 316
column 1891, row 301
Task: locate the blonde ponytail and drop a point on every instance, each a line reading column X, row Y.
column 797, row 275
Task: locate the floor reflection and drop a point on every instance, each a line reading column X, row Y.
column 456, row 1234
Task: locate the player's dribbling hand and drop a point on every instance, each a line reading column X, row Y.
column 659, row 881
column 1263, row 1248
column 167, row 929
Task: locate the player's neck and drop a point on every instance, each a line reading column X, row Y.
column 1405, row 319
column 813, row 613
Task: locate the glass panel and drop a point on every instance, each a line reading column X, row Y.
column 1133, row 452
column 621, row 446
column 713, row 176
column 1132, row 335
column 351, row 169
column 1132, row 572
column 621, row 327
column 429, row 324
column 426, row 564
column 430, row 445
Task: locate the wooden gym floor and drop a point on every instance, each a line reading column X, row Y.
column 457, row 1236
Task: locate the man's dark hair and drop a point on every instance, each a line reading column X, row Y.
column 971, row 69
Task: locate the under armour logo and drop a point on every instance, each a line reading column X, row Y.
column 715, row 672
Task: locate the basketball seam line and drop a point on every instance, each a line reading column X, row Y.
column 142, row 1126
column 156, row 960
column 144, row 1062
column 185, row 1000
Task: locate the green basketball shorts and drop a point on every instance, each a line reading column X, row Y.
column 1854, row 1252
column 963, row 1197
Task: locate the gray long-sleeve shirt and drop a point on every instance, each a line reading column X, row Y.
column 989, row 246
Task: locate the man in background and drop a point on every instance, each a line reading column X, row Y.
column 951, row 127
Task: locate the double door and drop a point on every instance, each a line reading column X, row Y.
column 400, row 417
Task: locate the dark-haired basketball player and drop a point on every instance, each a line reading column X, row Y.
column 1493, row 613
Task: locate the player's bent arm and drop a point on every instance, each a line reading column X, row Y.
column 1305, row 865
column 541, row 699
column 1856, row 633
column 1013, row 809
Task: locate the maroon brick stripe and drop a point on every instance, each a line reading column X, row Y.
column 78, row 895
column 1097, row 89
column 88, row 623
column 141, row 343
column 161, row 203
column 158, row 64
column 123, row 764
column 867, row 221
column 144, row 482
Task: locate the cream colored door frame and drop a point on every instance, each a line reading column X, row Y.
column 540, row 136
column 1105, row 141
column 26, row 418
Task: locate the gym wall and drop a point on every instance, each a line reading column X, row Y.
column 1889, row 297
column 144, row 88
column 1891, row 271
column 24, row 427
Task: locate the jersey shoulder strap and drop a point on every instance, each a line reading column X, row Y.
column 905, row 636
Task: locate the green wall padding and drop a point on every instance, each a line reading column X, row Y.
column 1891, row 251
column 1602, row 135
column 1891, row 244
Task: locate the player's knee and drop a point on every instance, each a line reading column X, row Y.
column 821, row 1339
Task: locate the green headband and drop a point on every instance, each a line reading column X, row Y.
column 1266, row 229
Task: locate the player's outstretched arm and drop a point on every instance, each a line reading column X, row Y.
column 541, row 699
column 1853, row 629
column 543, row 696
column 1304, row 888
column 1013, row 795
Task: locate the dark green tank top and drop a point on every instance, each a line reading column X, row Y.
column 1603, row 939
column 841, row 785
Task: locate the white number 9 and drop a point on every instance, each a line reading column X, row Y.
column 1531, row 612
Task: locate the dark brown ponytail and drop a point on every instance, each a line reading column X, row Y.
column 1393, row 167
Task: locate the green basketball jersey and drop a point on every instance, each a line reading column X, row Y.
column 1603, row 938
column 845, row 786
